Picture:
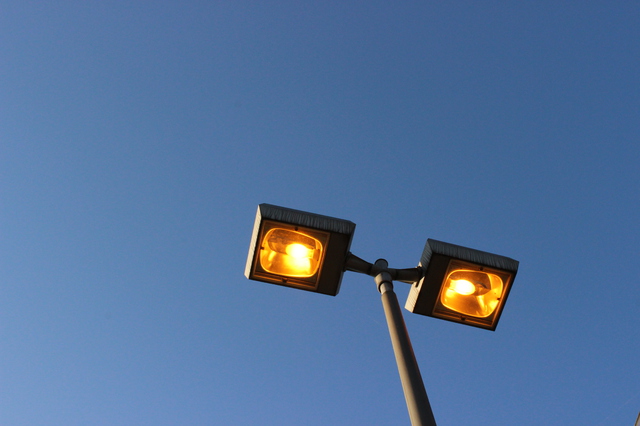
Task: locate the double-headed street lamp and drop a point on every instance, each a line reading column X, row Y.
column 311, row 252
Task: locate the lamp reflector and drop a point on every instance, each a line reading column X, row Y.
column 290, row 253
column 472, row 293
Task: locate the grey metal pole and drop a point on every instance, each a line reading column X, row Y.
column 414, row 392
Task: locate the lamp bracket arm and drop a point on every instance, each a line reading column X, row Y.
column 355, row 264
column 409, row 275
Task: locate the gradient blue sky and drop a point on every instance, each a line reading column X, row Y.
column 138, row 138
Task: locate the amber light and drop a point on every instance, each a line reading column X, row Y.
column 473, row 293
column 290, row 253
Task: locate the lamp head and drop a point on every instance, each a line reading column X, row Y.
column 298, row 249
column 462, row 285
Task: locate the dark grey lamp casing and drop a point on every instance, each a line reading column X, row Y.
column 435, row 259
column 329, row 276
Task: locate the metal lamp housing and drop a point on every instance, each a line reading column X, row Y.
column 297, row 249
column 462, row 285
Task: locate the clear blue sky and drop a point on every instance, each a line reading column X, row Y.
column 138, row 138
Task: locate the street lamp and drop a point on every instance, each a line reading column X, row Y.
column 462, row 284
column 311, row 252
column 298, row 249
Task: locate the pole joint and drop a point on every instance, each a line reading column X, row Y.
column 383, row 278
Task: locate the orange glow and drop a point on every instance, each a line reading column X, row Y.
column 290, row 253
column 299, row 251
column 474, row 293
column 463, row 287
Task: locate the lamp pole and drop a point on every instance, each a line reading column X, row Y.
column 414, row 392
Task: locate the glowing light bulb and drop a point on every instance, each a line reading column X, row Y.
column 298, row 251
column 463, row 287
